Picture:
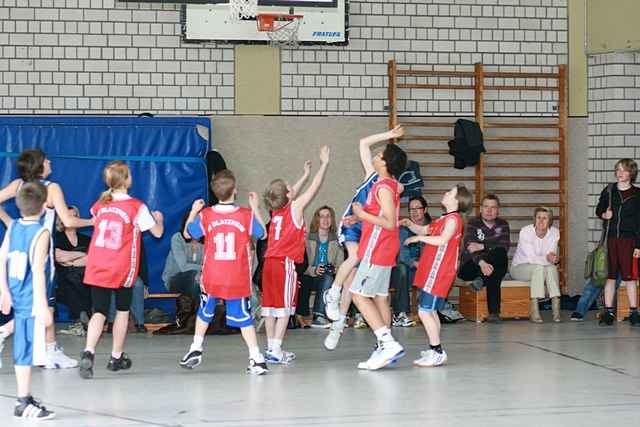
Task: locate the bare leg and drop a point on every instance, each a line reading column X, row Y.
column 7, row 328
column 249, row 336
column 382, row 303
column 51, row 330
column 281, row 327
column 23, row 380
column 431, row 323
column 369, row 310
column 632, row 292
column 270, row 326
column 348, row 265
column 201, row 327
column 120, row 325
column 94, row 331
column 345, row 298
column 609, row 292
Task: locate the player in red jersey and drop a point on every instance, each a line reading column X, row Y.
column 227, row 230
column 377, row 252
column 113, row 261
column 438, row 266
column 285, row 247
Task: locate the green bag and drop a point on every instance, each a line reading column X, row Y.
column 596, row 266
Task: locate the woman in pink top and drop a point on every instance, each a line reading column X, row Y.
column 536, row 261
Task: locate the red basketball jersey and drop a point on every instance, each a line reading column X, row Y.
column 226, row 269
column 286, row 238
column 379, row 246
column 114, row 253
column 438, row 264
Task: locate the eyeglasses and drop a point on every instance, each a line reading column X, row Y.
column 415, row 209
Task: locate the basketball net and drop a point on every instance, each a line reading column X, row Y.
column 242, row 9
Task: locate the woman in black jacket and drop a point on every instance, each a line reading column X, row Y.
column 619, row 204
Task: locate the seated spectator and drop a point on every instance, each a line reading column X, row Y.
column 403, row 273
column 324, row 256
column 485, row 253
column 183, row 266
column 70, row 258
column 536, row 261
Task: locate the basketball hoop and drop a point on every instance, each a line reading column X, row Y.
column 242, row 9
column 281, row 29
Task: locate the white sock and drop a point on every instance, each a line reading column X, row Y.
column 51, row 346
column 197, row 343
column 269, row 344
column 335, row 289
column 384, row 334
column 116, row 354
column 277, row 346
column 254, row 353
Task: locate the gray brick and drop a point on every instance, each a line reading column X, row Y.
column 22, row 13
column 144, row 91
column 120, row 15
column 115, row 40
column 95, row 15
column 20, row 90
column 116, row 90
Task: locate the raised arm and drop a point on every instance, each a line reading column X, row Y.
column 254, row 202
column 196, row 207
column 369, row 141
column 303, row 179
column 57, row 197
column 4, row 217
column 447, row 234
column 8, row 192
column 301, row 202
column 158, row 228
column 388, row 218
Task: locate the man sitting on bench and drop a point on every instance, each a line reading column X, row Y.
column 484, row 257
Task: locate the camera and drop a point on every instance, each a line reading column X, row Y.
column 330, row 268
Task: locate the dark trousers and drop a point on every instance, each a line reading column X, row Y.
column 317, row 284
column 185, row 283
column 71, row 292
column 497, row 257
column 402, row 280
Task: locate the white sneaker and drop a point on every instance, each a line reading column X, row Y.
column 431, row 359
column 333, row 339
column 284, row 359
column 56, row 359
column 385, row 354
column 332, row 304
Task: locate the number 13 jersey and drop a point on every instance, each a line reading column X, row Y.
column 113, row 260
column 226, row 269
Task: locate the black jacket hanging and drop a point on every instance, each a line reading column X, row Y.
column 466, row 145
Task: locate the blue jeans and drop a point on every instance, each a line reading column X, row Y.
column 319, row 284
column 590, row 294
column 402, row 281
column 137, row 304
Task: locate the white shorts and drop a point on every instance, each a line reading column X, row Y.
column 371, row 280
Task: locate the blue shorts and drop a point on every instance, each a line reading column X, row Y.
column 429, row 303
column 350, row 234
column 238, row 311
column 29, row 347
column 6, row 318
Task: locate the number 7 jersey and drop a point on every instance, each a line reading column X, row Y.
column 113, row 260
column 226, row 271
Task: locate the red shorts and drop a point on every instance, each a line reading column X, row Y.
column 620, row 254
column 279, row 287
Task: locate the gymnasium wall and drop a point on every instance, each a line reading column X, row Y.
column 102, row 56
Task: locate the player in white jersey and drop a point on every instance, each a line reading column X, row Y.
column 33, row 165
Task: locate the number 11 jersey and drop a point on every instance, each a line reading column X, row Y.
column 226, row 269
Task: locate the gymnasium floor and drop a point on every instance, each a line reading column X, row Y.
column 512, row 374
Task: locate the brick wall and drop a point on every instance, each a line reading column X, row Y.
column 614, row 121
column 102, row 56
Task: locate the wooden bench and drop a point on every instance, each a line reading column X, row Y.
column 515, row 300
column 622, row 306
column 151, row 327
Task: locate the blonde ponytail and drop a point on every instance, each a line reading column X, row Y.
column 115, row 175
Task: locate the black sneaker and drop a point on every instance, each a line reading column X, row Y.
column 86, row 365
column 493, row 318
column 477, row 283
column 607, row 318
column 191, row 359
column 256, row 368
column 634, row 318
column 122, row 363
column 577, row 317
column 30, row 409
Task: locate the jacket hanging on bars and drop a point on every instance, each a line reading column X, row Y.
column 466, row 144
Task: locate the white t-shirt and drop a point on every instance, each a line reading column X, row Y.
column 533, row 249
column 144, row 220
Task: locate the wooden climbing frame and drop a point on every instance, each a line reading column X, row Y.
column 526, row 161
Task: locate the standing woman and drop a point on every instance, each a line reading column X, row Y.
column 33, row 165
column 619, row 204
